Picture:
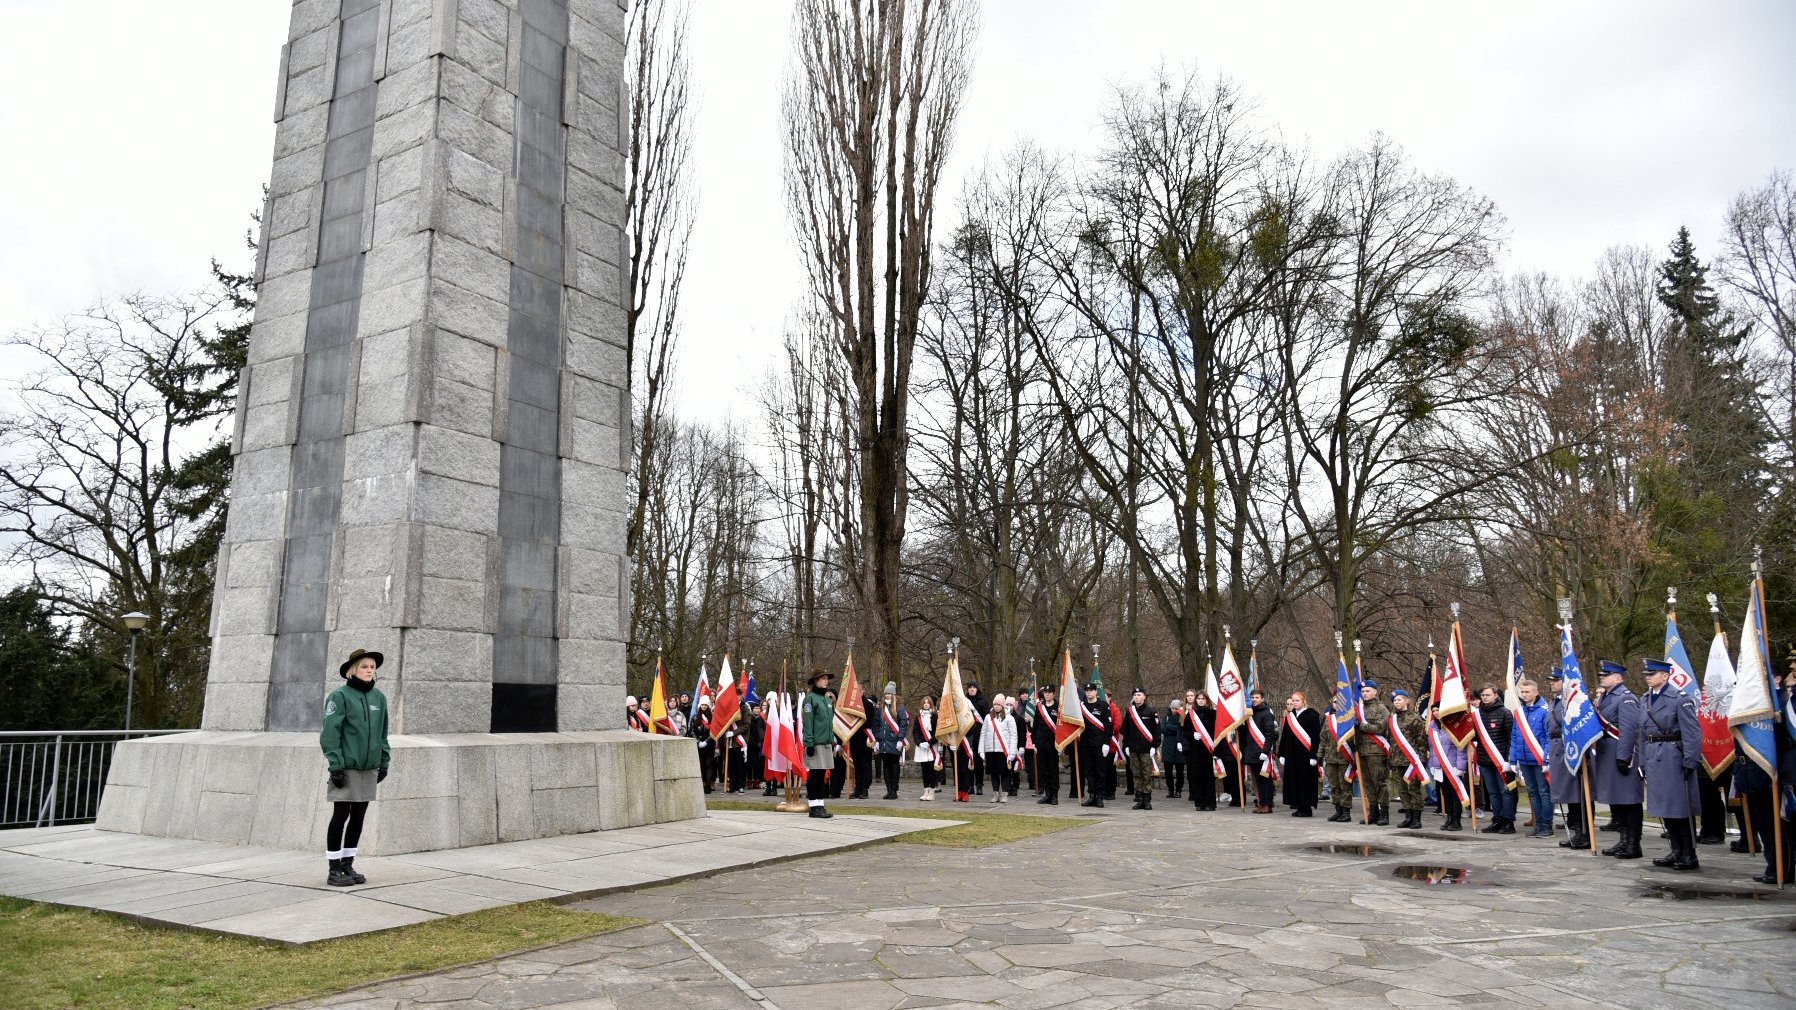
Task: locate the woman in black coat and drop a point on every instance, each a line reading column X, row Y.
column 1200, row 762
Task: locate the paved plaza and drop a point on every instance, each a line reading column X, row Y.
column 280, row 895
column 1165, row 910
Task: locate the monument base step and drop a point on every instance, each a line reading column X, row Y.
column 442, row 792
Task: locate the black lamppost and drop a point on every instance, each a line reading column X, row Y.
column 135, row 621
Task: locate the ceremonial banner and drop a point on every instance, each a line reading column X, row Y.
column 1071, row 721
column 700, row 692
column 1582, row 728
column 791, row 741
column 729, row 700
column 1229, row 694
column 955, row 716
column 772, row 753
column 1755, row 700
column 1512, row 672
column 851, row 703
column 1683, row 675
column 1452, row 702
column 659, row 720
column 1344, row 714
column 1717, row 694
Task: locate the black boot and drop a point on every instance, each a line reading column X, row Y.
column 820, row 812
column 1147, row 800
column 1452, row 823
column 349, row 868
column 339, row 877
column 1341, row 816
column 1384, row 816
column 1630, row 849
column 1687, row 857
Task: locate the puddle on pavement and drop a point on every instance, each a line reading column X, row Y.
column 1692, row 892
column 1364, row 850
column 1439, row 875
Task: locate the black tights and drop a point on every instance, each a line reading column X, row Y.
column 346, row 826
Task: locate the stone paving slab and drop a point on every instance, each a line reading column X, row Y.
column 277, row 895
column 1163, row 910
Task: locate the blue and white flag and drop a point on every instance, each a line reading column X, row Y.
column 1753, row 708
column 1582, row 727
column 1683, row 675
column 1344, row 714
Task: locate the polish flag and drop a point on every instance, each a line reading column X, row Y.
column 729, row 700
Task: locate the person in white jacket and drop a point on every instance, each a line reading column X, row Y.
column 997, row 741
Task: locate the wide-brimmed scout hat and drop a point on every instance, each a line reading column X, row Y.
column 356, row 657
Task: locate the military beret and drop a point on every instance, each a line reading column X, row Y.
column 1369, row 682
column 1397, row 692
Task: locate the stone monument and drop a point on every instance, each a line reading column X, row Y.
column 430, row 444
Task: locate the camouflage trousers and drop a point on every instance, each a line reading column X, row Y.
column 1141, row 771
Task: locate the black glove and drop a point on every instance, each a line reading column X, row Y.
column 1622, row 766
column 380, row 776
column 339, row 779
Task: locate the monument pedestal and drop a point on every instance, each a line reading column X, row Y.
column 444, row 792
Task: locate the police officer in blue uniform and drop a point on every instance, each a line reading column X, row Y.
column 1617, row 761
column 1671, row 752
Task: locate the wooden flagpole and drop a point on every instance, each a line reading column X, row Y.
column 1471, row 781
column 1589, row 807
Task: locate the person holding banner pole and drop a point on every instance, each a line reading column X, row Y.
column 1670, row 753
column 1495, row 730
column 1528, row 753
column 1617, row 753
column 1409, row 742
column 1567, row 786
column 1446, row 763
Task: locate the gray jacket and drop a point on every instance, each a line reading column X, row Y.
column 1671, row 753
column 1620, row 712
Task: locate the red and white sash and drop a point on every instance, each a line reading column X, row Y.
column 1418, row 769
column 1609, row 729
column 1497, row 758
column 639, row 720
column 1197, row 728
column 1141, row 727
column 1520, row 712
column 1447, row 772
column 891, row 722
column 992, row 724
column 926, row 727
column 1297, row 730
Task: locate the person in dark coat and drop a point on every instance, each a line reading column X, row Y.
column 1198, row 755
column 1259, row 751
column 1047, row 713
column 699, row 729
column 1671, row 754
column 1141, row 738
column 757, row 744
column 1617, row 753
column 1567, row 788
column 356, row 757
column 974, row 783
column 889, row 723
column 1094, row 747
column 1495, row 773
column 1172, row 748
column 1300, row 754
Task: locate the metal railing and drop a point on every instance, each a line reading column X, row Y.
column 56, row 776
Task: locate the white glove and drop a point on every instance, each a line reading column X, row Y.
column 1180, row 746
column 1312, row 762
column 1105, row 750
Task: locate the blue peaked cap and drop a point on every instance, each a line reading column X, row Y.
column 1610, row 666
column 1656, row 666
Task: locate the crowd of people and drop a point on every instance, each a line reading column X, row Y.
column 1399, row 760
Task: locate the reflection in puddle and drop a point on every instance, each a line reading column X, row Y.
column 1435, row 874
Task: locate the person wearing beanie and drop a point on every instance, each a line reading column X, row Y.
column 972, row 779
column 1408, row 763
column 1141, row 738
column 634, row 717
column 356, row 755
column 889, row 725
column 1374, row 746
column 1671, row 753
column 817, row 732
column 1172, row 748
column 998, row 744
column 1618, row 781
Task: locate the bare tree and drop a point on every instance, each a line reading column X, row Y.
column 659, row 208
column 1759, row 265
column 88, row 493
column 870, row 105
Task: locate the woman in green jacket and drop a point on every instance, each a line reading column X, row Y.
column 355, row 748
column 816, row 724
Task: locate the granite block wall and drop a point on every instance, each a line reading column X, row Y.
column 432, row 435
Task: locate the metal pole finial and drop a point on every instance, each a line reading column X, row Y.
column 1758, row 561
column 1356, row 646
column 850, row 643
column 1226, row 634
column 1094, row 652
column 1453, row 608
column 1565, row 610
column 1253, row 643
column 1671, row 597
column 1714, row 604
column 1340, row 641
column 1431, row 643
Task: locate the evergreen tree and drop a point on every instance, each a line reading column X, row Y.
column 53, row 679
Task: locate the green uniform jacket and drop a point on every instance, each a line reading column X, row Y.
column 355, row 729
column 817, row 720
column 1377, row 721
column 1415, row 730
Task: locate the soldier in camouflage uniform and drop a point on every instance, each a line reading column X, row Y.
column 1407, row 776
column 1373, row 745
column 1336, row 762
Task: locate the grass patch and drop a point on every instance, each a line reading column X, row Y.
column 55, row 957
column 979, row 831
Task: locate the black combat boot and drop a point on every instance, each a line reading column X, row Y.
column 1341, row 816
column 349, row 868
column 339, row 877
column 1384, row 816
column 1631, row 843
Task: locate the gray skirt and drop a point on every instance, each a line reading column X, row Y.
column 359, row 787
column 820, row 759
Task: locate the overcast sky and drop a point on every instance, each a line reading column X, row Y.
column 137, row 134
